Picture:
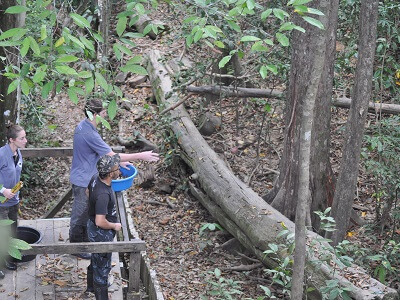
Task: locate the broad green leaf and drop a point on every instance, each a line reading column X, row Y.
column 301, row 29
column 105, row 124
column 73, row 96
column 25, row 47
column 89, row 85
column 14, row 252
column 125, row 50
column 249, row 38
column 269, row 42
column 121, row 25
column 234, row 26
column 117, row 52
column 210, row 32
column 214, row 28
column 84, row 74
column 133, row 35
column 11, row 76
column 198, row 35
column 34, row 45
column 140, row 9
column 118, row 91
column 76, row 41
column 112, row 109
column 287, row 26
column 25, row 88
column 101, row 80
column 282, row 39
column 17, row 9
column 39, row 75
column 133, row 21
column 250, row 4
column 301, row 9
column 19, row 244
column 219, row 44
column 10, row 44
column 224, row 61
column 59, row 42
column 263, row 72
column 46, row 3
column 314, row 22
column 80, row 21
column 136, row 69
column 147, row 29
column 298, row 2
column 43, row 32
column 13, row 32
column 135, row 60
column 25, row 70
column 43, row 15
column 66, row 70
column 190, row 19
column 88, row 44
column 266, row 14
column 280, row 14
column 98, row 37
column 189, row 40
column 127, row 42
column 315, row 11
column 259, row 46
column 12, row 86
column 273, row 69
column 47, row 88
column 66, row 59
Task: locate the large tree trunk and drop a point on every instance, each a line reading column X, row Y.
column 318, row 63
column 237, row 207
column 8, row 103
column 347, row 180
column 284, row 195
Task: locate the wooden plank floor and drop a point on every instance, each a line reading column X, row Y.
column 54, row 277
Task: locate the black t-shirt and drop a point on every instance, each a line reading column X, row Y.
column 101, row 200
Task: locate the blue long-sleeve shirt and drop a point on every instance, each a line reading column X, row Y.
column 10, row 173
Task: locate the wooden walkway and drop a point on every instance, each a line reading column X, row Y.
column 53, row 276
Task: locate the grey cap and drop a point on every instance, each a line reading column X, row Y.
column 107, row 162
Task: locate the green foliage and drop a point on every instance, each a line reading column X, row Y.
column 13, row 246
column 220, row 287
column 210, row 227
column 67, row 58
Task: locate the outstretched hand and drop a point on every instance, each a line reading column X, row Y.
column 150, row 156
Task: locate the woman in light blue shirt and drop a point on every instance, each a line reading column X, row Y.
column 10, row 174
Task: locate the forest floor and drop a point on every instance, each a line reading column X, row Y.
column 183, row 258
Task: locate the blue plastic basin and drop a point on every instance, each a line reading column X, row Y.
column 119, row 185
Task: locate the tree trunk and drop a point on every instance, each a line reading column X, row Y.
column 8, row 103
column 313, row 92
column 238, row 208
column 283, row 196
column 347, row 179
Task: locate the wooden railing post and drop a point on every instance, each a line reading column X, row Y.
column 134, row 276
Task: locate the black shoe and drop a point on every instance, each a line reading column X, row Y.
column 10, row 265
column 2, row 274
column 83, row 255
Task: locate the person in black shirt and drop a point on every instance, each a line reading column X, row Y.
column 102, row 224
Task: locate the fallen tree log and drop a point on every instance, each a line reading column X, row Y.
column 241, row 92
column 240, row 210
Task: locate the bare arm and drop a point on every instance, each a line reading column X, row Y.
column 146, row 155
column 103, row 223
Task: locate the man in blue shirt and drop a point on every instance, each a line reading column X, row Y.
column 10, row 174
column 87, row 149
